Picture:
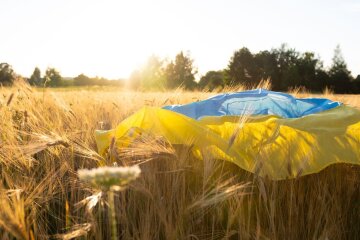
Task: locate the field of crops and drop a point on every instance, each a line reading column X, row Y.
column 46, row 135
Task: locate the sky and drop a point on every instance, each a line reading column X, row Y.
column 111, row 38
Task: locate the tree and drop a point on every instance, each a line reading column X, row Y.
column 321, row 81
column 53, row 78
column 312, row 72
column 153, row 74
column 284, row 66
column 357, row 79
column 267, row 67
column 340, row 76
column 287, row 68
column 150, row 76
column 35, row 78
column 181, row 72
column 356, row 84
column 82, row 80
column 241, row 68
column 212, row 80
column 7, row 75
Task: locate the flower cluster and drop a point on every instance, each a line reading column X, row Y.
column 107, row 177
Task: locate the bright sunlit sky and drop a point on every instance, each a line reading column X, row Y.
column 111, row 38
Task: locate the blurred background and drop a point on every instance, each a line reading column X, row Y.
column 192, row 44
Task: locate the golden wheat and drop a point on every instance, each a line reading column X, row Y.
column 46, row 135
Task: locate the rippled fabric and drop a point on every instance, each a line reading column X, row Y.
column 254, row 102
column 267, row 145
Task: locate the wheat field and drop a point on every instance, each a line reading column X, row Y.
column 46, row 135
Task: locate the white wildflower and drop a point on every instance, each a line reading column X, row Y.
column 107, row 177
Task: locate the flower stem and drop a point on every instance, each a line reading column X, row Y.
column 112, row 215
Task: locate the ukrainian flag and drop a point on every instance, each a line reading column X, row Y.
column 268, row 133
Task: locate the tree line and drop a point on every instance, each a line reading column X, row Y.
column 288, row 68
column 53, row 78
column 284, row 66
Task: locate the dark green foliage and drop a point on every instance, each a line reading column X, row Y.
column 35, row 78
column 156, row 74
column 267, row 66
column 83, row 80
column 340, row 76
column 242, row 68
column 287, row 68
column 212, row 80
column 53, row 78
column 356, row 84
column 181, row 72
column 7, row 75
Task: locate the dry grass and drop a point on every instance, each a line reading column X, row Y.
column 47, row 135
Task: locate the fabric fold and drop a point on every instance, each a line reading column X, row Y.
column 254, row 102
column 269, row 145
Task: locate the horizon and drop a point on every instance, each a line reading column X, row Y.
column 111, row 38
